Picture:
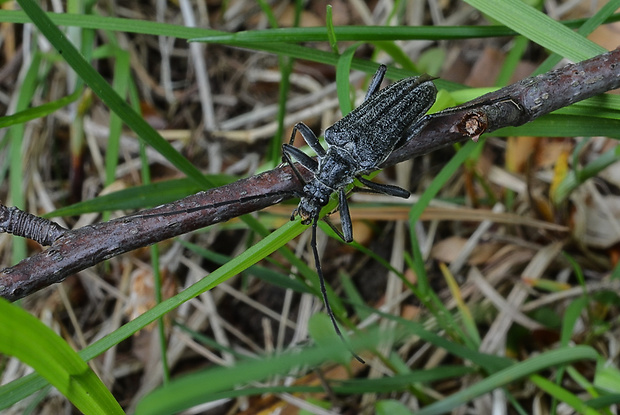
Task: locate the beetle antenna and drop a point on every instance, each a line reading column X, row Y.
column 319, row 271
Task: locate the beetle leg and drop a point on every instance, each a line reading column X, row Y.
column 375, row 82
column 385, row 188
column 319, row 271
column 289, row 150
column 309, row 137
column 305, row 160
column 331, row 225
column 345, row 217
column 309, row 163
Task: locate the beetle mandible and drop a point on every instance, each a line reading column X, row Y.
column 356, row 145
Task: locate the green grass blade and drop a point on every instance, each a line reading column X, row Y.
column 584, row 30
column 264, row 273
column 539, row 28
column 331, row 35
column 396, row 52
column 372, row 33
column 604, row 401
column 139, row 197
column 440, row 180
column 511, row 374
column 575, row 178
column 21, row 388
column 573, row 313
column 267, row 246
column 562, row 395
column 343, row 86
column 40, row 111
column 120, row 85
column 603, row 106
column 191, row 390
column 25, row 337
column 27, row 89
column 294, row 51
column 584, row 383
column 513, row 58
column 307, row 34
column 488, row 363
column 607, row 378
column 281, row 35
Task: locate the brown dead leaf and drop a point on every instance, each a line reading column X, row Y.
column 307, row 18
column 483, row 253
column 523, row 70
column 518, row 152
column 611, row 174
column 363, row 232
column 448, row 249
column 543, row 206
column 411, row 276
column 614, row 255
column 341, row 12
column 485, row 70
column 153, row 116
column 142, row 292
column 602, row 229
column 410, row 312
column 550, row 149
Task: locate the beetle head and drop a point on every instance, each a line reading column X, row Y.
column 316, row 195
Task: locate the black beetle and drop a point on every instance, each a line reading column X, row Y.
column 356, row 145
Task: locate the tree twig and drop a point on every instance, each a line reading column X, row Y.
column 74, row 250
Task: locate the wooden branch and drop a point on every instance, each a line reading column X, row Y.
column 74, row 250
column 515, row 104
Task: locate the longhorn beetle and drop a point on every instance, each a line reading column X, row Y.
column 356, row 145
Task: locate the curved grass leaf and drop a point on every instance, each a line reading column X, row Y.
column 200, row 387
column 38, row 111
column 563, row 395
column 25, row 337
column 306, row 34
column 372, row 34
column 539, row 28
column 343, row 86
column 588, row 26
column 521, row 370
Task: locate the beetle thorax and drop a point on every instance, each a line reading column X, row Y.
column 337, row 169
